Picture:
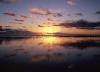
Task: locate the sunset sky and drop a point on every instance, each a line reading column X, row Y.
column 41, row 15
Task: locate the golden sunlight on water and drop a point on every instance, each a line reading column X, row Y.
column 47, row 48
column 50, row 40
column 53, row 40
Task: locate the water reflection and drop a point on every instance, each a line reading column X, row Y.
column 50, row 49
column 0, row 41
column 49, row 40
column 82, row 44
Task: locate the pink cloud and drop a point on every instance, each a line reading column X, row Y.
column 71, row 2
column 42, row 11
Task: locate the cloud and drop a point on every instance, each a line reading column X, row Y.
column 71, row 2
column 40, row 26
column 19, row 20
column 23, row 16
column 59, row 14
column 20, row 23
column 13, row 14
column 49, row 19
column 8, row 1
column 69, row 14
column 9, row 14
column 89, row 28
column 42, row 11
column 15, row 23
column 97, row 12
column 79, row 14
column 44, row 26
column 81, row 24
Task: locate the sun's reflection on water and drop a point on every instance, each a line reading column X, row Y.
column 49, row 40
column 48, row 48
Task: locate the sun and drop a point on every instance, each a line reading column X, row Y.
column 48, row 26
column 50, row 29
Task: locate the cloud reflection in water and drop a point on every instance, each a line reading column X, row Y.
column 50, row 49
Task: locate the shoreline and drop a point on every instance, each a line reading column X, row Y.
column 49, row 36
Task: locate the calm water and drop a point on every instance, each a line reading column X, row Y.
column 49, row 50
